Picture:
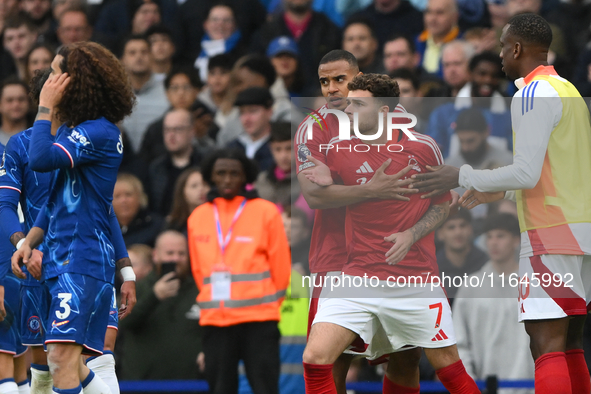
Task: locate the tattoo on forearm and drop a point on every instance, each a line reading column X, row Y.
column 434, row 216
column 14, row 238
column 42, row 111
column 124, row 262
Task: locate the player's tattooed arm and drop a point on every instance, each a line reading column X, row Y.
column 433, row 218
column 43, row 113
column 16, row 237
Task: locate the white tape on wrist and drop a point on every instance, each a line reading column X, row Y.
column 128, row 274
column 20, row 243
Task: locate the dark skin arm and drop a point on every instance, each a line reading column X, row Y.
column 128, row 296
column 438, row 181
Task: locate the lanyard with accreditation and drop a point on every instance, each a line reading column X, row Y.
column 221, row 278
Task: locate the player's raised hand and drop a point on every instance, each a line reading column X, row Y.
column 390, row 187
column 402, row 244
column 440, row 180
column 53, row 90
column 19, row 258
column 34, row 266
column 473, row 198
column 319, row 174
column 2, row 308
column 128, row 298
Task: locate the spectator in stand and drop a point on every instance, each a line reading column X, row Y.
column 190, row 191
column 151, row 97
column 255, row 106
column 40, row 13
column 162, row 338
column 490, row 340
column 219, row 69
column 455, row 58
column 73, row 27
column 458, row 255
column 180, row 155
column 162, row 48
column 120, row 18
column 182, row 86
column 221, row 36
column 411, row 96
column 204, row 128
column 441, row 27
column 60, row 6
column 244, row 326
column 359, row 38
column 299, row 240
column 7, row 9
column 314, row 32
column 251, row 71
column 141, row 260
column 138, row 225
column 279, row 183
column 482, row 91
column 283, row 53
column 14, row 109
column 38, row 58
column 400, row 52
column 19, row 36
column 392, row 17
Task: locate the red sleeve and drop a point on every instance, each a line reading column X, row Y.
column 305, row 146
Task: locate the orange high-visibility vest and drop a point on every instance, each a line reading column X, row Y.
column 257, row 256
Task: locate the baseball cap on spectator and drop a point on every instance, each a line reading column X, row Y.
column 282, row 45
column 254, row 96
column 471, row 119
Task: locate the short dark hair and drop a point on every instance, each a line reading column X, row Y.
column 359, row 20
column 36, row 83
column 280, row 132
column 77, row 9
column 340, row 54
column 222, row 4
column 471, row 119
column 407, row 75
column 223, row 61
column 531, row 28
column 486, row 57
column 159, row 29
column 379, row 85
column 190, row 72
column 250, row 167
column 409, row 41
column 502, row 221
column 13, row 81
column 18, row 20
column 463, row 214
column 261, row 65
column 133, row 37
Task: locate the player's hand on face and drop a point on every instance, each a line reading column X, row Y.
column 391, row 187
column 167, row 286
column 319, row 174
column 34, row 266
column 128, row 298
column 473, row 198
column 53, row 90
column 2, row 308
column 402, row 243
column 20, row 258
column 440, row 180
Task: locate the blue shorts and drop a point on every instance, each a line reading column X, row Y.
column 114, row 313
column 34, row 306
column 79, row 311
column 10, row 337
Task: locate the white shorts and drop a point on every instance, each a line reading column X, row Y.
column 374, row 348
column 557, row 286
column 407, row 316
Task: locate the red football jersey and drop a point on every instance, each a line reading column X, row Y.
column 355, row 163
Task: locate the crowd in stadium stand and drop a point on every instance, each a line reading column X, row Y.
column 214, row 74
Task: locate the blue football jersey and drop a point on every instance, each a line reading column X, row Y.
column 77, row 212
column 18, row 183
column 6, row 247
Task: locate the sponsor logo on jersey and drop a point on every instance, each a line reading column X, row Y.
column 303, row 153
column 2, row 169
column 54, row 324
column 78, row 138
column 306, row 165
column 414, row 163
column 34, row 324
column 365, row 168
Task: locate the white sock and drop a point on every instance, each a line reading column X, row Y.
column 93, row 384
column 23, row 387
column 8, row 386
column 104, row 367
column 41, row 380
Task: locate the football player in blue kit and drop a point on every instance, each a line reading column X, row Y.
column 89, row 90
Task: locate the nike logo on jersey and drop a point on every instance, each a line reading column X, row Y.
column 365, row 168
column 439, row 337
